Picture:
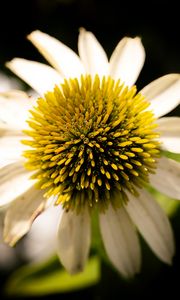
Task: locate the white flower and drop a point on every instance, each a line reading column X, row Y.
column 106, row 176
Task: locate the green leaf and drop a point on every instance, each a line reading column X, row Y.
column 50, row 277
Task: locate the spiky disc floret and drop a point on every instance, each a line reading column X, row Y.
column 91, row 140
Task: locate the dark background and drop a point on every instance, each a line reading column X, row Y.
column 157, row 23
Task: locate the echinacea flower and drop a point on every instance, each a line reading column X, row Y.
column 92, row 142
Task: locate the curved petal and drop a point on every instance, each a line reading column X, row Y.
column 74, row 240
column 61, row 57
column 163, row 94
column 153, row 224
column 9, row 83
column 167, row 177
column 21, row 214
column 40, row 77
column 14, row 109
column 14, row 180
column 7, row 130
column 10, row 149
column 120, row 241
column 41, row 244
column 8, row 257
column 127, row 60
column 169, row 128
column 92, row 54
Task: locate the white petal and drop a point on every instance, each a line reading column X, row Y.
column 41, row 244
column 9, row 83
column 74, row 240
column 120, row 241
column 21, row 214
column 163, row 94
column 8, row 256
column 11, row 148
column 169, row 129
column 14, row 106
column 92, row 54
column 167, row 177
column 7, row 130
column 127, row 60
column 61, row 57
column 40, row 77
column 14, row 180
column 153, row 224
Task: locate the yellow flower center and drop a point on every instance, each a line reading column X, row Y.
column 91, row 140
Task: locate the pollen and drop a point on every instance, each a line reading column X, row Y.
column 90, row 140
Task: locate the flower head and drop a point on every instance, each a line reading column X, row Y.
column 92, row 142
